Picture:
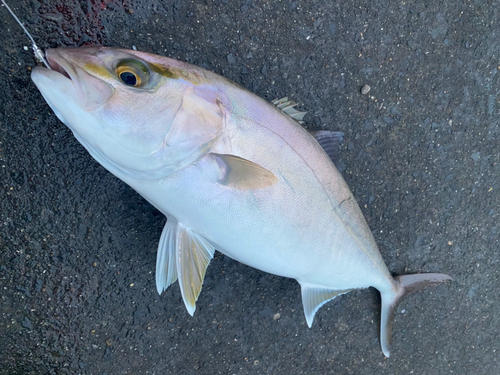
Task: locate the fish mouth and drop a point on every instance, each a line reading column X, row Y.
column 56, row 66
column 69, row 63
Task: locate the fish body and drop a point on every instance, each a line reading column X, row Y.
column 296, row 228
column 228, row 170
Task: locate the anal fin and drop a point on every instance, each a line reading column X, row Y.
column 313, row 297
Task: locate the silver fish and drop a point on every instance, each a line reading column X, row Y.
column 228, row 170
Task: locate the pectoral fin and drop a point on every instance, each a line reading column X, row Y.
column 166, row 267
column 243, row 174
column 193, row 254
column 314, row 297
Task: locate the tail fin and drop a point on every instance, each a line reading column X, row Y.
column 406, row 284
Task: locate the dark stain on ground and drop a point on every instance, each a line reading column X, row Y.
column 421, row 154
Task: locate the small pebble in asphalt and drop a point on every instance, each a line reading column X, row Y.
column 365, row 89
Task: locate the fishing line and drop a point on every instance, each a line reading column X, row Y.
column 39, row 55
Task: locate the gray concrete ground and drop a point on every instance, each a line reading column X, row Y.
column 421, row 154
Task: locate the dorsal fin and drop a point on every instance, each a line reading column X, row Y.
column 329, row 140
column 288, row 108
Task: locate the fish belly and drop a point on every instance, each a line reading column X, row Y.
column 279, row 230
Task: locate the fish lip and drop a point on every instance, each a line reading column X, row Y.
column 59, row 64
column 69, row 63
column 54, row 65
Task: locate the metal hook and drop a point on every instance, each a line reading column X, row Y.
column 39, row 55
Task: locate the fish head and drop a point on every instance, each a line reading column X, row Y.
column 139, row 115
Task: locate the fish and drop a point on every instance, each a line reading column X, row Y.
column 229, row 170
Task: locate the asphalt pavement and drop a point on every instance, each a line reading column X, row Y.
column 421, row 154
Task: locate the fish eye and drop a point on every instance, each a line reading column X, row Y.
column 132, row 73
column 130, row 79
